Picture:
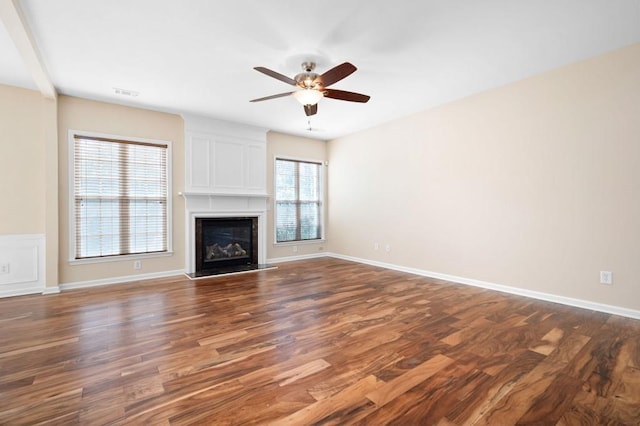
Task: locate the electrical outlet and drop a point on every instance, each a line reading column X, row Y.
column 606, row 277
column 387, row 248
column 295, row 249
column 4, row 268
column 376, row 246
column 137, row 264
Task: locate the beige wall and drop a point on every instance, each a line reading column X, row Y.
column 81, row 114
column 295, row 147
column 534, row 185
column 22, row 161
column 50, row 123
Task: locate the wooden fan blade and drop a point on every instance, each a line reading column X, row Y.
column 266, row 98
column 311, row 109
column 276, row 75
column 336, row 74
column 346, row 96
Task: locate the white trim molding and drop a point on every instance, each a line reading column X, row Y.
column 569, row 301
column 323, row 199
column 22, row 264
column 71, row 255
column 51, row 290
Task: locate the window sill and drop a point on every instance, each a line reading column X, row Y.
column 125, row 258
column 297, row 243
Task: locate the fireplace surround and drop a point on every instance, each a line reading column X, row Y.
column 195, row 215
column 225, row 180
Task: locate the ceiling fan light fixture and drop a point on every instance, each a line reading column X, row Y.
column 308, row 96
column 311, row 87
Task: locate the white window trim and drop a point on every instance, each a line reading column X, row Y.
column 323, row 165
column 71, row 204
column 300, row 242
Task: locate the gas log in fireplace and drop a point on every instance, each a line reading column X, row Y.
column 226, row 242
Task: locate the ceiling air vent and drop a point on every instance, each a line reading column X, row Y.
column 125, row 92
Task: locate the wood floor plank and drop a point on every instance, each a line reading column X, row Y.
column 428, row 401
column 38, row 347
column 551, row 404
column 485, row 397
column 403, row 383
column 321, row 341
column 305, row 370
column 347, row 397
column 533, row 385
column 349, row 369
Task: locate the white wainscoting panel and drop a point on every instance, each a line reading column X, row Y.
column 228, row 168
column 22, row 264
column 224, row 158
column 199, row 158
column 255, row 167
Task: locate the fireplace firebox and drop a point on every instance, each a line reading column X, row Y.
column 225, row 242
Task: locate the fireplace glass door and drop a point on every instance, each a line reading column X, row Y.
column 224, row 242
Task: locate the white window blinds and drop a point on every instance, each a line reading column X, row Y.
column 120, row 197
column 298, row 200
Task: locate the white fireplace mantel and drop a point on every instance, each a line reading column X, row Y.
column 225, row 177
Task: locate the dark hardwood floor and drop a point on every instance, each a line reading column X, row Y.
column 320, row 341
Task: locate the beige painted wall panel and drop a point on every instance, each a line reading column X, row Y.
column 82, row 114
column 22, row 161
column 534, row 185
column 279, row 144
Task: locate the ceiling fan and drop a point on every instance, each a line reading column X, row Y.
column 312, row 87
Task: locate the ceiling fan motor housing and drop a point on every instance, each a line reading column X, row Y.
column 307, row 78
column 308, row 66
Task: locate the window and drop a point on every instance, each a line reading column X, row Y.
column 120, row 196
column 298, row 200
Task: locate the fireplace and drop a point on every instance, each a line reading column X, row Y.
column 225, row 186
column 225, row 243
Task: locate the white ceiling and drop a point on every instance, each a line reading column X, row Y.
column 197, row 56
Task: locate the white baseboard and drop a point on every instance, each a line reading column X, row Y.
column 578, row 303
column 119, row 280
column 300, row 257
column 22, row 291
